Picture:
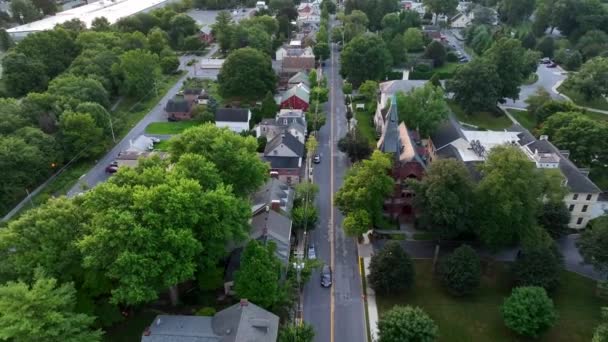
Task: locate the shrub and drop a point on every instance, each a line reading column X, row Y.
column 347, row 88
column 538, row 267
column 422, row 68
column 206, row 311
column 461, row 271
column 406, row 323
column 452, row 57
column 528, row 311
column 391, row 269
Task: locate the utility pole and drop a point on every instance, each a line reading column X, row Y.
column 111, row 127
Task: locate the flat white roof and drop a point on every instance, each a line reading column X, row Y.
column 487, row 139
column 113, row 11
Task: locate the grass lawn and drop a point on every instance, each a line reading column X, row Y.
column 478, row 318
column 447, row 67
column 483, row 120
column 162, row 145
column 425, row 236
column 579, row 99
column 531, row 80
column 523, row 118
column 170, row 127
column 364, row 123
column 596, row 115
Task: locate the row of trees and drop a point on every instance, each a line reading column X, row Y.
column 260, row 32
column 144, row 231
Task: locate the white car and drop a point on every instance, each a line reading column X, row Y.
column 311, row 252
column 155, row 140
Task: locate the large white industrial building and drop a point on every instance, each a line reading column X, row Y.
column 113, row 10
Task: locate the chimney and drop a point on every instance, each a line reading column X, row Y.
column 275, row 205
column 244, row 302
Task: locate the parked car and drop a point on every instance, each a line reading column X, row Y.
column 312, row 254
column 326, row 276
column 155, row 140
column 551, row 65
column 111, row 168
column 545, row 60
column 316, row 159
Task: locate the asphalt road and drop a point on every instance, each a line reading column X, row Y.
column 97, row 174
column 548, row 78
column 339, row 310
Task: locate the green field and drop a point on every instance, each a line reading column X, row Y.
column 523, row 118
column 365, row 125
column 170, row 127
column 483, row 120
column 478, row 318
column 579, row 99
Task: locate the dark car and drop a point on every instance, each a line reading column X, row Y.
column 326, row 276
column 316, row 159
column 551, row 65
column 112, row 168
column 545, row 60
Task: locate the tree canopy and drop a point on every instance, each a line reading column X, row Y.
column 406, row 323
column 529, row 311
column 592, row 244
column 247, row 73
column 461, row 271
column 368, row 50
column 138, row 71
column 391, row 270
column 423, row 108
column 592, row 78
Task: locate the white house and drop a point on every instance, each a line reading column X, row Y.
column 236, row 119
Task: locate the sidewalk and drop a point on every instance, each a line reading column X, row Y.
column 366, row 250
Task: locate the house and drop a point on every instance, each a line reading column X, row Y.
column 451, row 140
column 270, row 128
column 241, row 322
column 260, row 5
column 385, row 91
column 284, row 153
column 298, row 59
column 206, row 34
column 237, row 119
column 296, row 97
column 410, row 160
column 433, row 32
column 299, row 77
column 179, row 108
column 192, row 94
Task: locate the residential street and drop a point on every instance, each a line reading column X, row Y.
column 98, row 174
column 338, row 310
column 548, row 79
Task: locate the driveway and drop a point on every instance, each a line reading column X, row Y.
column 548, row 79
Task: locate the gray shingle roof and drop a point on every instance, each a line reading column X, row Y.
column 273, row 190
column 287, row 140
column 273, row 226
column 449, row 131
column 249, row 323
column 177, row 105
column 390, row 138
column 232, row 115
column 177, row 328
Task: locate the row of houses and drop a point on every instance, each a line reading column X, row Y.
column 413, row 154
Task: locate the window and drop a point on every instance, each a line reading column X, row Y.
column 589, row 197
column 575, row 197
column 585, row 208
column 579, row 221
column 571, row 207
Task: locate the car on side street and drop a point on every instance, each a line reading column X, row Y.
column 326, row 276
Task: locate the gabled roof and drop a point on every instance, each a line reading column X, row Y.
column 283, row 162
column 288, row 141
column 232, row 115
column 449, row 131
column 300, row 77
column 246, row 322
column 392, row 87
column 300, row 91
column 178, row 104
column 179, row 328
column 273, row 190
column 389, row 141
column 269, row 225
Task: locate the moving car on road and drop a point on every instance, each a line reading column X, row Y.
column 312, row 254
column 326, row 276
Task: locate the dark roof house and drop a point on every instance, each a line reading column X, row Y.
column 284, row 145
column 232, row 115
column 242, row 322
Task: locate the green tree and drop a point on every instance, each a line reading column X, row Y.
column 234, row 156
column 539, row 266
column 193, row 44
column 158, row 40
column 44, row 311
column 11, row 118
column 537, row 100
column 546, row 46
column 554, row 217
column 258, row 277
column 592, row 78
column 391, row 270
column 444, row 198
column 100, row 24
column 369, row 90
column 321, row 51
column 460, row 272
column 48, row 7
column 508, row 197
column 368, row 50
column 80, row 134
column 304, row 217
column 529, row 311
column 80, row 88
column 222, row 30
column 436, row 51
column 55, row 49
column 357, row 222
column 197, row 167
column 43, row 237
column 296, row 333
column 137, row 71
column 515, row 11
column 407, row 324
column 476, row 86
column 252, row 36
column 584, row 137
column 269, row 106
column 247, row 73
column 511, row 63
column 22, row 74
column 365, row 187
column 355, row 145
column 601, row 331
column 593, row 43
column 414, row 40
column 181, row 26
column 592, row 244
column 6, row 42
column 24, row 11
column 396, row 47
column 355, row 24
column 169, row 64
column 437, row 7
column 423, row 107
